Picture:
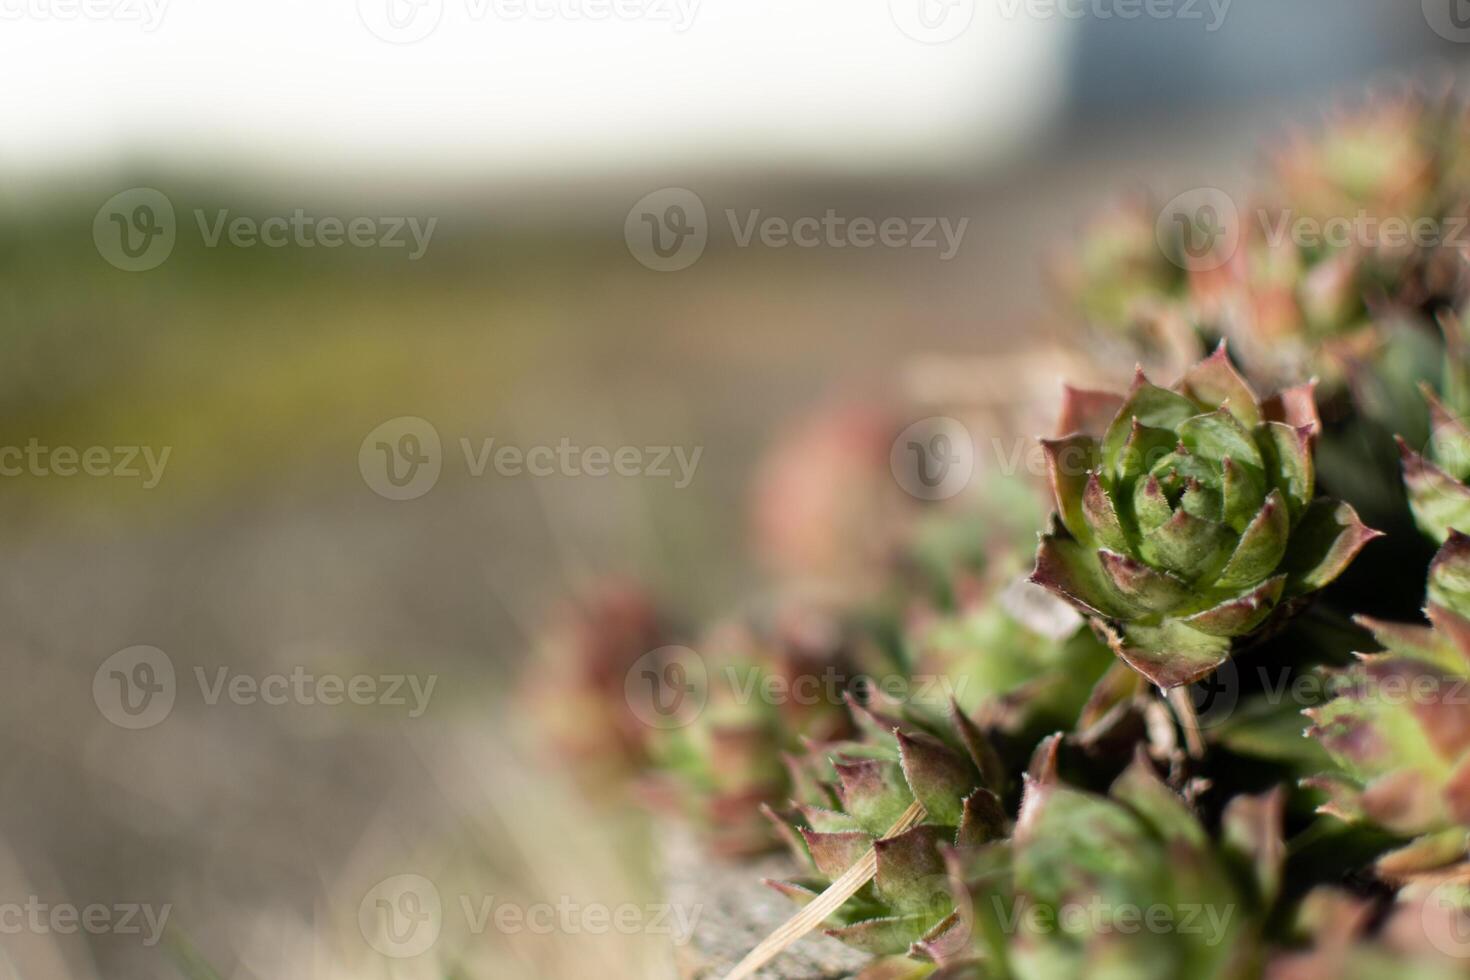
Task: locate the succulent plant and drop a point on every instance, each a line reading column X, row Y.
column 1126, row 287
column 574, row 685
column 1018, row 657
column 1187, row 518
column 850, row 794
column 1435, row 480
column 1129, row 884
column 1398, row 728
column 764, row 683
column 1343, row 945
column 824, row 504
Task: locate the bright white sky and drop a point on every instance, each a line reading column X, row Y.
column 292, row 83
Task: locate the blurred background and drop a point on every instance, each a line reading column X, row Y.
column 274, row 275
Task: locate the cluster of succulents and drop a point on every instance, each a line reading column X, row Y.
column 1051, row 750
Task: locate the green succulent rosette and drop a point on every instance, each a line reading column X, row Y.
column 1341, row 938
column 850, row 794
column 1130, row 288
column 1436, row 479
column 1124, row 885
column 766, row 685
column 1398, row 728
column 1187, row 518
column 1116, row 274
column 1019, row 658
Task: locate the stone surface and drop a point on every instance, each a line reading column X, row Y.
column 737, row 911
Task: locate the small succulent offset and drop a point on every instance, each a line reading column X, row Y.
column 1020, row 658
column 1187, row 518
column 724, row 765
column 850, row 794
column 1125, row 885
column 1399, row 728
column 1435, row 480
column 575, row 685
column 1342, row 943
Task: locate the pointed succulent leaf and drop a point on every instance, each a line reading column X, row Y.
column 886, row 936
column 1151, row 406
column 938, row 778
column 1449, row 574
column 1327, row 539
column 1150, row 507
column 1171, row 655
column 1240, row 615
column 873, row 792
column 1261, row 547
column 910, row 877
column 1252, row 831
column 983, row 820
column 1295, row 406
column 1242, row 495
column 1087, row 412
column 1069, row 460
column 1139, row 453
column 1219, row 434
column 1073, row 572
column 1141, row 584
column 834, row 853
column 1101, row 516
column 1215, row 382
column 1188, row 546
column 1140, row 787
column 1440, row 503
column 1288, row 455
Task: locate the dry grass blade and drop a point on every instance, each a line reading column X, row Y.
column 825, row 904
column 1188, row 720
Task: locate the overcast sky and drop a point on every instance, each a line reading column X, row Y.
column 520, row 85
